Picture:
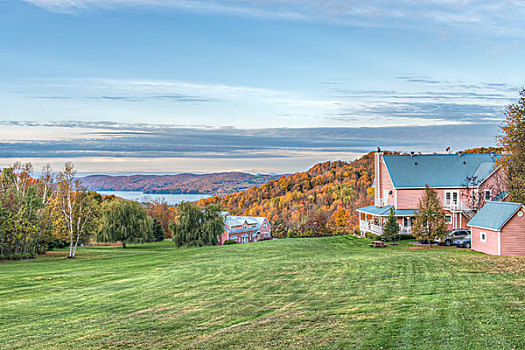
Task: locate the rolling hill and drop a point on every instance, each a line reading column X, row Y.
column 215, row 184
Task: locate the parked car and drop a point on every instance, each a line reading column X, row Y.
column 453, row 236
column 463, row 242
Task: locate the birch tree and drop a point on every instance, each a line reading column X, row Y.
column 77, row 207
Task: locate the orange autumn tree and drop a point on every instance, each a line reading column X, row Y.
column 512, row 139
column 164, row 214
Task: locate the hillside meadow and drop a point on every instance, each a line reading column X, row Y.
column 332, row 292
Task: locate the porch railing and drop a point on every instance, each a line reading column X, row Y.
column 368, row 227
column 459, row 206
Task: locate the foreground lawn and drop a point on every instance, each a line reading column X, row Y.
column 316, row 293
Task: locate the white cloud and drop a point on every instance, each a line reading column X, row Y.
column 405, row 100
column 472, row 16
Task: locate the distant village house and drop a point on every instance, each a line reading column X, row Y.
column 245, row 229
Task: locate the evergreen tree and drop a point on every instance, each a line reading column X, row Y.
column 158, row 232
column 391, row 228
column 430, row 219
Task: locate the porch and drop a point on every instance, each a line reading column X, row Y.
column 365, row 226
column 372, row 219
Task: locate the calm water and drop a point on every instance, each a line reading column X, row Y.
column 147, row 197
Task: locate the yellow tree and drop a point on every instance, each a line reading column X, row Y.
column 512, row 139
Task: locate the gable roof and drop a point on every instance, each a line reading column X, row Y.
column 494, row 215
column 235, row 221
column 439, row 170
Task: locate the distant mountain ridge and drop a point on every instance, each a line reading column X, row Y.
column 186, row 183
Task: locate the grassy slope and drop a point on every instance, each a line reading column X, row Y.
column 325, row 293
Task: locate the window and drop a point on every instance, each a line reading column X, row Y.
column 265, row 225
column 448, row 219
column 451, row 198
column 407, row 222
column 483, row 237
column 487, row 195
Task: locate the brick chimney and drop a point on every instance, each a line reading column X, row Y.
column 378, row 157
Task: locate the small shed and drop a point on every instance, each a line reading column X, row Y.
column 499, row 229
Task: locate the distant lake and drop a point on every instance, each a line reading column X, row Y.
column 148, row 197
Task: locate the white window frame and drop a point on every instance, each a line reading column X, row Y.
column 407, row 222
column 483, row 237
column 265, row 225
column 448, row 219
column 485, row 195
column 447, row 203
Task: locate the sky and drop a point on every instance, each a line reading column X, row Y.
column 273, row 86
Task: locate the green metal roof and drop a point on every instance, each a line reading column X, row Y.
column 385, row 211
column 439, row 170
column 494, row 215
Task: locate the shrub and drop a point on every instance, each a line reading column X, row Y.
column 230, row 241
column 17, row 256
column 372, row 236
column 406, row 237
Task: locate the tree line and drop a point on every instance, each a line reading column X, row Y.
column 55, row 210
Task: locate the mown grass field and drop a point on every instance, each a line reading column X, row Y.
column 297, row 293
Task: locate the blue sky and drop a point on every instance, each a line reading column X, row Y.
column 166, row 86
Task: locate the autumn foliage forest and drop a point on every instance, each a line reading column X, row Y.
column 318, row 202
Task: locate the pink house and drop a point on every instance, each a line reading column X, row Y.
column 464, row 183
column 245, row 229
column 499, row 229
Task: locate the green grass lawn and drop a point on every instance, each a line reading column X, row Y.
column 331, row 292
